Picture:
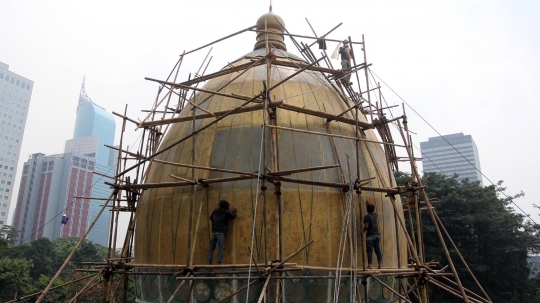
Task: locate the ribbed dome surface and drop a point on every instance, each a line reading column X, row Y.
column 299, row 214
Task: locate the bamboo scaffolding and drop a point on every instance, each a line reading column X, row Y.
column 270, row 172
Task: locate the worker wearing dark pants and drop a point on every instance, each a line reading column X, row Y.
column 373, row 238
column 220, row 220
column 346, row 56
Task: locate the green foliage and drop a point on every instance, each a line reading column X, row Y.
column 28, row 268
column 14, row 277
column 9, row 234
column 41, row 251
column 494, row 240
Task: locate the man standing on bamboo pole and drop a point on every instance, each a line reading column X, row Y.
column 346, row 56
column 220, row 220
column 373, row 238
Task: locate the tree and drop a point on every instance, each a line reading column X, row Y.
column 493, row 239
column 9, row 233
column 14, row 278
column 42, row 252
column 87, row 252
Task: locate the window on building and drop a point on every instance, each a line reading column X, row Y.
column 7, row 78
column 1, row 221
column 4, row 204
column 1, row 75
column 23, row 85
column 18, row 83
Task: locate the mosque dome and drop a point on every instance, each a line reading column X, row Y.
column 172, row 224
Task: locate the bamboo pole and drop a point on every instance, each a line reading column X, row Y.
column 437, row 229
column 341, row 175
column 364, row 125
column 53, row 288
column 391, row 289
column 207, row 168
column 303, row 36
column 453, row 291
column 178, row 85
column 84, row 289
column 467, row 290
column 461, row 256
column 263, row 291
column 221, row 39
column 331, row 135
column 300, row 170
column 177, row 289
column 197, row 228
column 183, row 179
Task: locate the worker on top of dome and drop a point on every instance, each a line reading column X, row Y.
column 346, row 56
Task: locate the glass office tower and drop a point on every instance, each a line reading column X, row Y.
column 452, row 154
column 95, row 128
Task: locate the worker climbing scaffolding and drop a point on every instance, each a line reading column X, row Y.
column 346, row 55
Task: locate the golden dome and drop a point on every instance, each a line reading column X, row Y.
column 300, row 212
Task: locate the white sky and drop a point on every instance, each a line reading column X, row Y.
column 465, row 66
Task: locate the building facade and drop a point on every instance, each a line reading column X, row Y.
column 53, row 185
column 49, row 185
column 452, row 154
column 15, row 94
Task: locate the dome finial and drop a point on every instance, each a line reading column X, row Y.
column 275, row 26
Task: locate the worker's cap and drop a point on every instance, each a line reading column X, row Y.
column 345, row 41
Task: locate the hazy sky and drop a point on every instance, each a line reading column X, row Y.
column 464, row 66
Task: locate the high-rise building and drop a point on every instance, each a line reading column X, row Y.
column 51, row 184
column 94, row 129
column 15, row 94
column 452, row 154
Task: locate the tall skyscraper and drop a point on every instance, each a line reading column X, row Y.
column 15, row 94
column 452, row 154
column 95, row 128
column 50, row 184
